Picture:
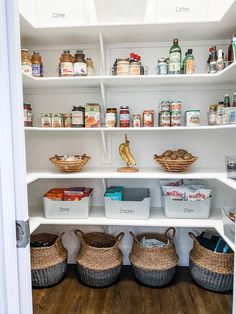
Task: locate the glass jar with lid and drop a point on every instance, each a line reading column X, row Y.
column 111, row 117
column 80, row 68
column 66, row 64
column 26, row 64
column 212, row 115
column 122, row 66
column 124, row 117
column 162, row 66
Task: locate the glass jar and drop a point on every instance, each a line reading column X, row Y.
column 134, row 67
column 212, row 115
column 124, row 117
column 46, row 120
column 78, row 117
column 66, row 64
column 36, row 64
column 220, row 113
column 68, row 120
column 26, row 64
column 28, row 121
column 90, row 67
column 162, row 66
column 111, row 117
column 80, row 68
column 122, row 66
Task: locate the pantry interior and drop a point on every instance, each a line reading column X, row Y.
column 105, row 40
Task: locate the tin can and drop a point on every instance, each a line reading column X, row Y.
column 136, row 120
column 175, row 106
column 192, row 117
column 164, row 119
column 162, row 66
column 57, row 120
column 175, row 118
column 68, row 120
column 46, row 120
column 148, row 118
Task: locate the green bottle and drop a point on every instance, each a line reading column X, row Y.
column 175, row 58
column 189, row 62
column 183, row 66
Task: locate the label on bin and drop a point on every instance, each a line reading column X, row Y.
column 127, row 211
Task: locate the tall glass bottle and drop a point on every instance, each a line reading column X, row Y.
column 175, row 58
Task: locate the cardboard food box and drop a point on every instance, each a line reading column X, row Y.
column 92, row 115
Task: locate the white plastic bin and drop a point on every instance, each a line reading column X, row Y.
column 135, row 205
column 67, row 209
column 187, row 209
column 229, row 225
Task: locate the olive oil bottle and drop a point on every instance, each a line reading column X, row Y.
column 175, row 58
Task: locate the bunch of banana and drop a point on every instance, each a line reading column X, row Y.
column 125, row 153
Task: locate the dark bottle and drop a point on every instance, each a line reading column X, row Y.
column 78, row 117
column 175, row 58
column 226, row 101
column 234, row 100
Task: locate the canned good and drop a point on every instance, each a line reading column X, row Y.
column 192, row 117
column 175, row 106
column 162, row 66
column 175, row 118
column 46, row 120
column 164, row 106
column 57, row 120
column 164, row 119
column 136, row 120
column 148, row 118
column 68, row 120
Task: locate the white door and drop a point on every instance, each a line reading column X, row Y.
column 15, row 280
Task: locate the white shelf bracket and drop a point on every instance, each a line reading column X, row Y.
column 106, row 148
column 102, row 53
column 104, row 99
column 104, row 183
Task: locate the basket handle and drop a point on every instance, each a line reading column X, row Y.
column 193, row 236
column 79, row 233
column 134, row 237
column 119, row 237
column 173, row 230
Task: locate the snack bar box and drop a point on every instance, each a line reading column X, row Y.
column 229, row 225
column 67, row 209
column 135, row 205
column 187, row 209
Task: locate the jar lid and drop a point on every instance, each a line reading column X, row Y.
column 124, row 107
column 123, row 59
column 24, row 50
column 162, row 60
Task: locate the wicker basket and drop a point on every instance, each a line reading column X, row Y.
column 48, row 264
column 99, row 259
column 70, row 166
column 174, row 165
column 154, row 266
column 211, row 270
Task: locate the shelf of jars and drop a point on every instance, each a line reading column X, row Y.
column 226, row 76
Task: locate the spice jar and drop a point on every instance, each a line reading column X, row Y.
column 78, row 117
column 122, row 66
column 66, row 64
column 111, row 117
column 162, row 66
column 124, row 117
column 89, row 67
column 80, row 68
column 26, row 64
column 36, row 64
column 46, row 120
column 212, row 115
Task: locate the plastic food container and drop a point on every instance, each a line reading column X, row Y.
column 135, row 205
column 67, row 209
column 187, row 209
column 229, row 225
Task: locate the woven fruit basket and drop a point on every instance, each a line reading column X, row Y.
column 174, row 165
column 211, row 270
column 99, row 259
column 70, row 165
column 48, row 264
column 154, row 266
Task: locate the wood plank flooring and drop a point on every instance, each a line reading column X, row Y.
column 127, row 296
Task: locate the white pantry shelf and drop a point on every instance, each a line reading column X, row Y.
column 227, row 76
column 157, row 219
column 131, row 129
column 144, row 173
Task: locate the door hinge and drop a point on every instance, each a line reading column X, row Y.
column 22, row 233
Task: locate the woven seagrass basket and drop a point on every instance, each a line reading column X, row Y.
column 48, row 264
column 70, row 166
column 174, row 165
column 211, row 270
column 154, row 266
column 99, row 259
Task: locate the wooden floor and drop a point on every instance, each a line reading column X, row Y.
column 129, row 297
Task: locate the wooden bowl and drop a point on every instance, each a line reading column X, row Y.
column 174, row 165
column 70, row 166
